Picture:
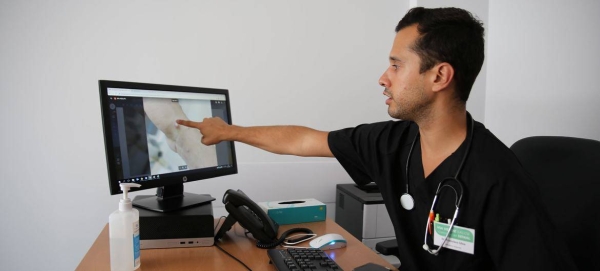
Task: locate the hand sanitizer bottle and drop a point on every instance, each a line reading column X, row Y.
column 124, row 234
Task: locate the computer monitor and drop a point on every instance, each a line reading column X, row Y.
column 145, row 145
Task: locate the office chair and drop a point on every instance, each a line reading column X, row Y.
column 567, row 173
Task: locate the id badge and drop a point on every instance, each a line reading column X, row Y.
column 461, row 239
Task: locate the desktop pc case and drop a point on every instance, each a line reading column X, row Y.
column 360, row 211
column 189, row 227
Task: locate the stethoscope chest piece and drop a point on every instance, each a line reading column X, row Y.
column 407, row 201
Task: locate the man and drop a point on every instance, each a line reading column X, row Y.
column 435, row 58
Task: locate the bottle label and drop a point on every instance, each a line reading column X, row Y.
column 136, row 243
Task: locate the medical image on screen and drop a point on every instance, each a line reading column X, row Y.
column 148, row 141
column 172, row 147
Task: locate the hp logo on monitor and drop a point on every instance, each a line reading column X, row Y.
column 184, row 179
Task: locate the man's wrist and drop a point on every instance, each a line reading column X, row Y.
column 233, row 133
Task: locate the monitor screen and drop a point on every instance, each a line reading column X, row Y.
column 145, row 145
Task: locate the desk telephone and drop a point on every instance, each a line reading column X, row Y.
column 249, row 215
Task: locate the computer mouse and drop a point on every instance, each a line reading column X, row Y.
column 328, row 241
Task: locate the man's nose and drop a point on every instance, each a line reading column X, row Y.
column 383, row 81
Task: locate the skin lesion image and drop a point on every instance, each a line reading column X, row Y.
column 174, row 147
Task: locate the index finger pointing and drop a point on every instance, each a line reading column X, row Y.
column 187, row 123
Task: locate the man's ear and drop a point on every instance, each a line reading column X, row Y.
column 442, row 75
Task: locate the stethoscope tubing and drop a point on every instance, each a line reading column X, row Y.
column 407, row 201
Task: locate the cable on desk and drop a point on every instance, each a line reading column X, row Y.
column 217, row 245
column 284, row 236
column 233, row 257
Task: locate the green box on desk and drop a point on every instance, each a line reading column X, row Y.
column 295, row 211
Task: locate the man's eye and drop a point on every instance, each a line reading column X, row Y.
column 395, row 67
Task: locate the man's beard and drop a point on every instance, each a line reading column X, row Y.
column 414, row 108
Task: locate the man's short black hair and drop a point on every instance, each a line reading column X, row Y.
column 449, row 35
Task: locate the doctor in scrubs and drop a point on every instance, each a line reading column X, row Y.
column 457, row 196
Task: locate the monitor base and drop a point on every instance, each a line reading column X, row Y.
column 171, row 204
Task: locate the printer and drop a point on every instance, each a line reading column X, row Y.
column 361, row 212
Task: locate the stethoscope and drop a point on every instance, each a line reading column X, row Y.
column 407, row 201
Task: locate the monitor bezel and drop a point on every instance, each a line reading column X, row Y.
column 174, row 178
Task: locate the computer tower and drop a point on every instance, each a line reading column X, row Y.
column 361, row 212
column 189, row 227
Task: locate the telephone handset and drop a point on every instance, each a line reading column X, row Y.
column 243, row 210
column 250, row 216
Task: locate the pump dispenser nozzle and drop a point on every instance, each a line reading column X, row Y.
column 125, row 203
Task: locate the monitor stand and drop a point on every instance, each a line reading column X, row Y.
column 171, row 198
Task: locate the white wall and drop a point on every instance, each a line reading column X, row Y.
column 543, row 69
column 313, row 63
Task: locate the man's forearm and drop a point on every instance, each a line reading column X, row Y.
column 292, row 140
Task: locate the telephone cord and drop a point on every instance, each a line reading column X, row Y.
column 283, row 237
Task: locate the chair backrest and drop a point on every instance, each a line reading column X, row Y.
column 567, row 173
